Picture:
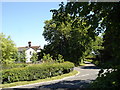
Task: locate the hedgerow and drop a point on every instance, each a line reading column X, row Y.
column 12, row 65
column 35, row 72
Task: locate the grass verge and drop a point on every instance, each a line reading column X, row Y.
column 82, row 64
column 38, row 81
column 89, row 60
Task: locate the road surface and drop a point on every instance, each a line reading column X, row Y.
column 87, row 74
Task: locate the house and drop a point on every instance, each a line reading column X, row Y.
column 29, row 50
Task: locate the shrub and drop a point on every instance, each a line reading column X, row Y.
column 60, row 58
column 34, row 58
column 109, row 79
column 47, row 58
column 35, row 72
column 13, row 65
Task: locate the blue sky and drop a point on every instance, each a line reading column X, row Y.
column 24, row 21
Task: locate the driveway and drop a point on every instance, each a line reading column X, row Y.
column 87, row 74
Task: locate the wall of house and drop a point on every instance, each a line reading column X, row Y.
column 29, row 53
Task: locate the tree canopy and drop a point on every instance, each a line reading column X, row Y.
column 102, row 17
column 98, row 17
column 66, row 40
column 8, row 49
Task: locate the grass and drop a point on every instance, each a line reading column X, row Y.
column 89, row 60
column 82, row 64
column 38, row 81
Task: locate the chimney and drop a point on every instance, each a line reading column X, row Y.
column 29, row 44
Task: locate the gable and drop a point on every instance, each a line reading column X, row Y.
column 35, row 48
column 30, row 49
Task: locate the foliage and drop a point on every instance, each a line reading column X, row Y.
column 65, row 39
column 8, row 49
column 60, row 59
column 13, row 65
column 21, row 56
column 47, row 58
column 39, row 80
column 108, row 79
column 94, row 50
column 73, row 30
column 97, row 45
column 34, row 57
column 35, row 72
column 102, row 17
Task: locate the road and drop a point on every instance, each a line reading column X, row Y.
column 87, row 74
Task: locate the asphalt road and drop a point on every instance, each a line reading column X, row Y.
column 87, row 74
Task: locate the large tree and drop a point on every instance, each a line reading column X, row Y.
column 67, row 40
column 8, row 51
column 103, row 17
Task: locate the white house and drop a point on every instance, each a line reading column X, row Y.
column 29, row 50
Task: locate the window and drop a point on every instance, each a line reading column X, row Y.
column 30, row 52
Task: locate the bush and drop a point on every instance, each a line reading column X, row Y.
column 35, row 72
column 34, row 58
column 47, row 58
column 107, row 80
column 13, row 65
column 60, row 58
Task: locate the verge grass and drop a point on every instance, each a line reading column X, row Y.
column 38, row 81
column 89, row 60
column 82, row 64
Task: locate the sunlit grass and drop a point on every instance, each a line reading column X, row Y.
column 38, row 81
column 82, row 64
column 89, row 60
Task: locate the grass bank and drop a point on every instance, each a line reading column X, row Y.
column 38, row 81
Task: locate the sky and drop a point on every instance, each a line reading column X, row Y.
column 24, row 21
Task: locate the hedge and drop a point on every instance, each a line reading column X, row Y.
column 35, row 72
column 15, row 65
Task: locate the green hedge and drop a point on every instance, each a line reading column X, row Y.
column 35, row 72
column 15, row 65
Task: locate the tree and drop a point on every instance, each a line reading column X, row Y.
column 21, row 56
column 47, row 58
column 34, row 57
column 103, row 17
column 8, row 49
column 66, row 40
column 60, row 59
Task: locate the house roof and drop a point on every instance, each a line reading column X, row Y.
column 25, row 48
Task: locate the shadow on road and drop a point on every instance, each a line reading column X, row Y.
column 62, row 85
column 68, row 85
